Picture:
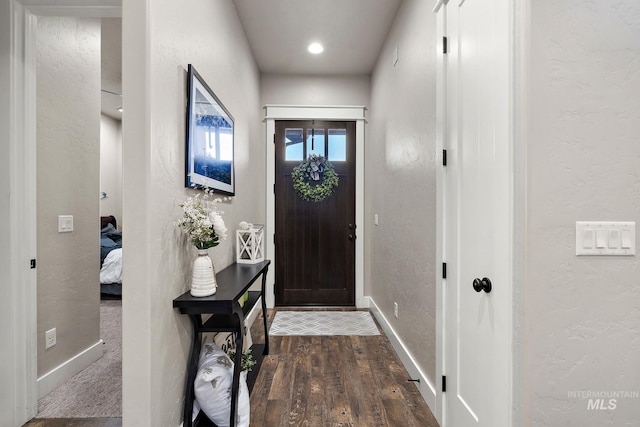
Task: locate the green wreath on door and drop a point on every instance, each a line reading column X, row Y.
column 314, row 179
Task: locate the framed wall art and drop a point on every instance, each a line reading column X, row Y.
column 210, row 138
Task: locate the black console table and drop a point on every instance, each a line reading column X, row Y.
column 226, row 316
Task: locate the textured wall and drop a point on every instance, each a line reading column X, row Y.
column 111, row 167
column 582, row 314
column 111, row 54
column 401, row 182
column 68, row 150
column 160, row 38
column 315, row 90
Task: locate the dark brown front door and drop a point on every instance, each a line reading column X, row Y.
column 315, row 241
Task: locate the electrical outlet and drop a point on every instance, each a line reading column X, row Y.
column 375, row 219
column 50, row 338
column 395, row 309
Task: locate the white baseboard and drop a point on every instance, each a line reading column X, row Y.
column 68, row 369
column 427, row 389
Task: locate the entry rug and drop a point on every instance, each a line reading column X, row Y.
column 323, row 323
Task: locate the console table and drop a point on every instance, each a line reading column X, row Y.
column 226, row 316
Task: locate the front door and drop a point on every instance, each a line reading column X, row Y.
column 477, row 359
column 315, row 240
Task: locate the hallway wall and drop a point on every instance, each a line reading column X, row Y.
column 68, row 159
column 160, row 38
column 581, row 314
column 315, row 90
column 400, row 253
column 111, row 168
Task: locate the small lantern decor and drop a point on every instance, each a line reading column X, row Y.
column 249, row 243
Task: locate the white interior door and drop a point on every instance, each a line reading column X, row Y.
column 477, row 360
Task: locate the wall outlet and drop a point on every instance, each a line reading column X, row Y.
column 50, row 338
column 395, row 309
column 375, row 219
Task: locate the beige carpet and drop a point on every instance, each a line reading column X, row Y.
column 97, row 390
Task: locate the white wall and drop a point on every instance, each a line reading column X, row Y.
column 111, row 167
column 401, row 182
column 582, row 314
column 315, row 90
column 68, row 150
column 160, row 38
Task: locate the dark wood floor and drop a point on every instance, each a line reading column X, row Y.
column 335, row 381
column 321, row 381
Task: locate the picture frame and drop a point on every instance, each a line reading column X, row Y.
column 209, row 140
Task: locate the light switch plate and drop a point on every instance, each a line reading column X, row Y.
column 65, row 223
column 605, row 238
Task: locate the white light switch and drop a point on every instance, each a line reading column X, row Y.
column 65, row 223
column 614, row 239
column 626, row 239
column 588, row 239
column 605, row 238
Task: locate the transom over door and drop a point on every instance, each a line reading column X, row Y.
column 477, row 358
column 315, row 241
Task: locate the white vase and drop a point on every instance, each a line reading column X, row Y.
column 203, row 279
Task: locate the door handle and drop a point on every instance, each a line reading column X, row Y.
column 482, row 285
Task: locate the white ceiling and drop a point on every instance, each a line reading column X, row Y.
column 279, row 32
column 352, row 32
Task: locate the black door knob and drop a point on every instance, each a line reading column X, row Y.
column 482, row 285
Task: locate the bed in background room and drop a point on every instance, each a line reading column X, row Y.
column 110, row 258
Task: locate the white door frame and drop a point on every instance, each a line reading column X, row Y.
column 516, row 122
column 309, row 112
column 22, row 226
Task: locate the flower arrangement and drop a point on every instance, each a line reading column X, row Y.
column 202, row 221
column 316, row 169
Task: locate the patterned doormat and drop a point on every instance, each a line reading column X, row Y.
column 323, row 323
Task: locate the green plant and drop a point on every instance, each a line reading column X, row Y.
column 247, row 360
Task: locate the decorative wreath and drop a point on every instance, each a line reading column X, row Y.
column 314, row 179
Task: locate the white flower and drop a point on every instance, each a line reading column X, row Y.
column 202, row 221
column 218, row 224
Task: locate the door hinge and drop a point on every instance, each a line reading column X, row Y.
column 444, row 45
column 444, row 157
column 444, row 383
column 33, row 263
column 274, row 239
column 274, row 189
column 444, row 270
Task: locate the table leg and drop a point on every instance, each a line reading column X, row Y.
column 192, row 370
column 237, row 365
column 264, row 310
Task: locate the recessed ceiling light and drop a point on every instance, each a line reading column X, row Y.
column 315, row 48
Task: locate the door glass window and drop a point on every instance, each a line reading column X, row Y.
column 315, row 142
column 337, row 145
column 293, row 144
